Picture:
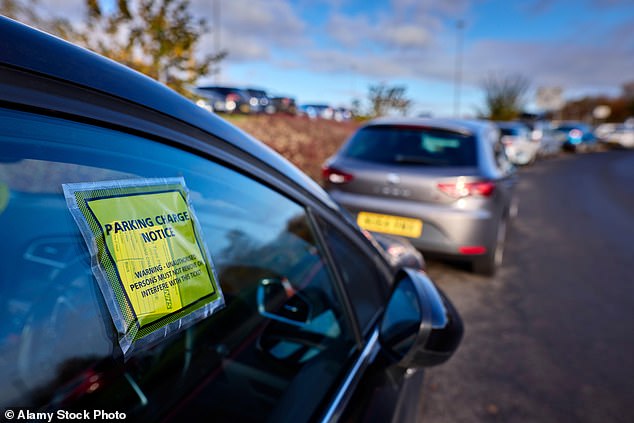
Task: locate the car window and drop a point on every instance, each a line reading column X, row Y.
column 283, row 339
column 412, row 145
column 366, row 287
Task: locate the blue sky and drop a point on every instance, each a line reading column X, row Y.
column 330, row 51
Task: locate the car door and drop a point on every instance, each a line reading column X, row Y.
column 378, row 389
column 279, row 350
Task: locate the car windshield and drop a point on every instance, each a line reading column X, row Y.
column 412, row 145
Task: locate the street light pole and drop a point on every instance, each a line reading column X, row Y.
column 216, row 17
column 458, row 70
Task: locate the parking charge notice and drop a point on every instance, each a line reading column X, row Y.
column 149, row 253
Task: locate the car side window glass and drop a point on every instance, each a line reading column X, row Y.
column 366, row 286
column 282, row 340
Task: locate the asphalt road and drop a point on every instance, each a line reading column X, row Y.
column 551, row 337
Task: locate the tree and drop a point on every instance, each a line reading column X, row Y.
column 26, row 11
column 157, row 38
column 356, row 107
column 505, row 96
column 15, row 9
column 384, row 99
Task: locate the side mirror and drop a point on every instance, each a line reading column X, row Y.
column 420, row 326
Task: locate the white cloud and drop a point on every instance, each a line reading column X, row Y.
column 406, row 36
column 249, row 30
column 240, row 48
column 349, row 31
column 382, row 32
column 331, row 61
column 570, row 65
column 274, row 19
column 73, row 10
column 404, row 39
column 417, row 9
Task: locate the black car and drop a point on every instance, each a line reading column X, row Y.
column 284, row 104
column 260, row 101
column 226, row 99
column 314, row 325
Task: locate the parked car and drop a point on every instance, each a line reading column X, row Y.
column 284, row 104
column 519, row 147
column 315, row 325
column 317, row 111
column 341, row 114
column 579, row 136
column 550, row 142
column 616, row 135
column 442, row 184
column 227, row 99
column 260, row 101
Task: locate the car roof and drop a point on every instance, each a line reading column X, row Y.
column 571, row 124
column 220, row 88
column 464, row 126
column 37, row 52
column 511, row 125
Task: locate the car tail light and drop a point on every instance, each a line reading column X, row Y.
column 472, row 250
column 462, row 189
column 336, row 176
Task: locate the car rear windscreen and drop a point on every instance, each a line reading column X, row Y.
column 412, row 145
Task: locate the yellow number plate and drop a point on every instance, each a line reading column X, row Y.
column 395, row 225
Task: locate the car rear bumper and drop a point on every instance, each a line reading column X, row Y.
column 446, row 229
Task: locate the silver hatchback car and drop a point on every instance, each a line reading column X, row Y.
column 444, row 184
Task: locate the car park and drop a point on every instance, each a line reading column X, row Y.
column 315, row 326
column 444, row 184
column 519, row 147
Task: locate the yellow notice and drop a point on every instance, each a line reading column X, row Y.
column 152, row 242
